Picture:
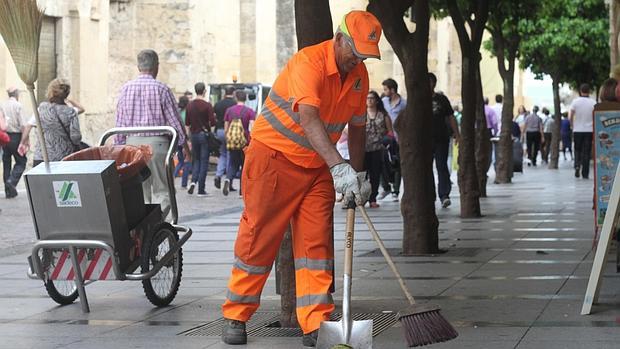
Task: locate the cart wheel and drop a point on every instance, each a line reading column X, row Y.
column 63, row 292
column 162, row 287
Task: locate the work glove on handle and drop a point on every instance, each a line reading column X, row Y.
column 348, row 183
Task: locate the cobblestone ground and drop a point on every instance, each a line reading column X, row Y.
column 512, row 279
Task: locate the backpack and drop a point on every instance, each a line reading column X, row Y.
column 235, row 137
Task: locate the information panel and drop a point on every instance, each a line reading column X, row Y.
column 607, row 155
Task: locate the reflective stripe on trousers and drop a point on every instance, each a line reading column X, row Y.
column 277, row 193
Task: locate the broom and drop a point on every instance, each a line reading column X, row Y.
column 20, row 27
column 423, row 324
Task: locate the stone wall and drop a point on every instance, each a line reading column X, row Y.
column 97, row 43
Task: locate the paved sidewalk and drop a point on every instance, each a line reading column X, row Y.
column 512, row 279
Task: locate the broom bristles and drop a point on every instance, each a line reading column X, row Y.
column 427, row 328
column 20, row 27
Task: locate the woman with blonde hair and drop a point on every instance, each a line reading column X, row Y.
column 59, row 119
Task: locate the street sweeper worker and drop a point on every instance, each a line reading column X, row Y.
column 291, row 169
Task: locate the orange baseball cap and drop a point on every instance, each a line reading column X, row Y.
column 363, row 30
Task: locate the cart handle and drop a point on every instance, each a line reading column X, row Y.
column 37, row 268
column 168, row 163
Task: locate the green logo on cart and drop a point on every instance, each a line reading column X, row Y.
column 67, row 194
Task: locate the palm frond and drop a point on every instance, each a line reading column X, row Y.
column 20, row 27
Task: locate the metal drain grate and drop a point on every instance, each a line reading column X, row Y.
column 266, row 324
column 214, row 328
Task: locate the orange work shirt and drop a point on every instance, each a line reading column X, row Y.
column 311, row 77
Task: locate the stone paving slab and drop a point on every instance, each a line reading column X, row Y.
column 505, row 296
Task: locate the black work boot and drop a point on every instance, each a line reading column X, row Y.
column 233, row 332
column 309, row 339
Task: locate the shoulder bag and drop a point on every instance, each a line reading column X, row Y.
column 76, row 147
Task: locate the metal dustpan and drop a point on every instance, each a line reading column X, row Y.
column 357, row 334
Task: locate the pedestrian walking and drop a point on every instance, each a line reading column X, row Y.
column 394, row 104
column 199, row 120
column 5, row 139
column 548, row 124
column 15, row 124
column 145, row 101
column 533, row 129
column 378, row 126
column 220, row 111
column 580, row 116
column 607, row 93
column 183, row 167
column 444, row 127
column 566, row 132
column 491, row 118
column 59, row 119
column 238, row 122
column 286, row 178
column 492, row 127
column 498, row 107
column 520, row 118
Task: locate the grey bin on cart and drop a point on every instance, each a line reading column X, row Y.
column 130, row 181
column 79, row 200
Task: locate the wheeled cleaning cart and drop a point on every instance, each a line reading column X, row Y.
column 92, row 225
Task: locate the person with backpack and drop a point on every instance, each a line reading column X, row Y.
column 220, row 111
column 238, row 122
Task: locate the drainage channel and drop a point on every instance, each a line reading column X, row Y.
column 266, row 324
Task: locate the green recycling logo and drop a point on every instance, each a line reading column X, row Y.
column 67, row 194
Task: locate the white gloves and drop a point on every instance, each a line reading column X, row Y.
column 353, row 185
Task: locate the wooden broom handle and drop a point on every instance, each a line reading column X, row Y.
column 385, row 253
column 35, row 109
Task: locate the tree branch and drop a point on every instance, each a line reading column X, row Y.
column 390, row 14
column 459, row 25
column 481, row 16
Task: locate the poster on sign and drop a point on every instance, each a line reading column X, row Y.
column 606, row 139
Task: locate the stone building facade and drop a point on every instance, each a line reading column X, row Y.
column 94, row 44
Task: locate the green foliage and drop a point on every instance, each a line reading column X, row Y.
column 507, row 20
column 569, row 40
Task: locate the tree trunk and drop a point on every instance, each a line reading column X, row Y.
column 420, row 223
column 467, row 176
column 614, row 31
column 504, row 160
column 469, row 29
column 420, row 230
column 483, row 139
column 555, row 135
column 313, row 23
column 285, row 269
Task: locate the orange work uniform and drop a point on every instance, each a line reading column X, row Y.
column 285, row 180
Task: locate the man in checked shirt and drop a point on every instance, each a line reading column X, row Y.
column 145, row 101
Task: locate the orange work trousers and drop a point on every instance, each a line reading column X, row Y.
column 277, row 192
